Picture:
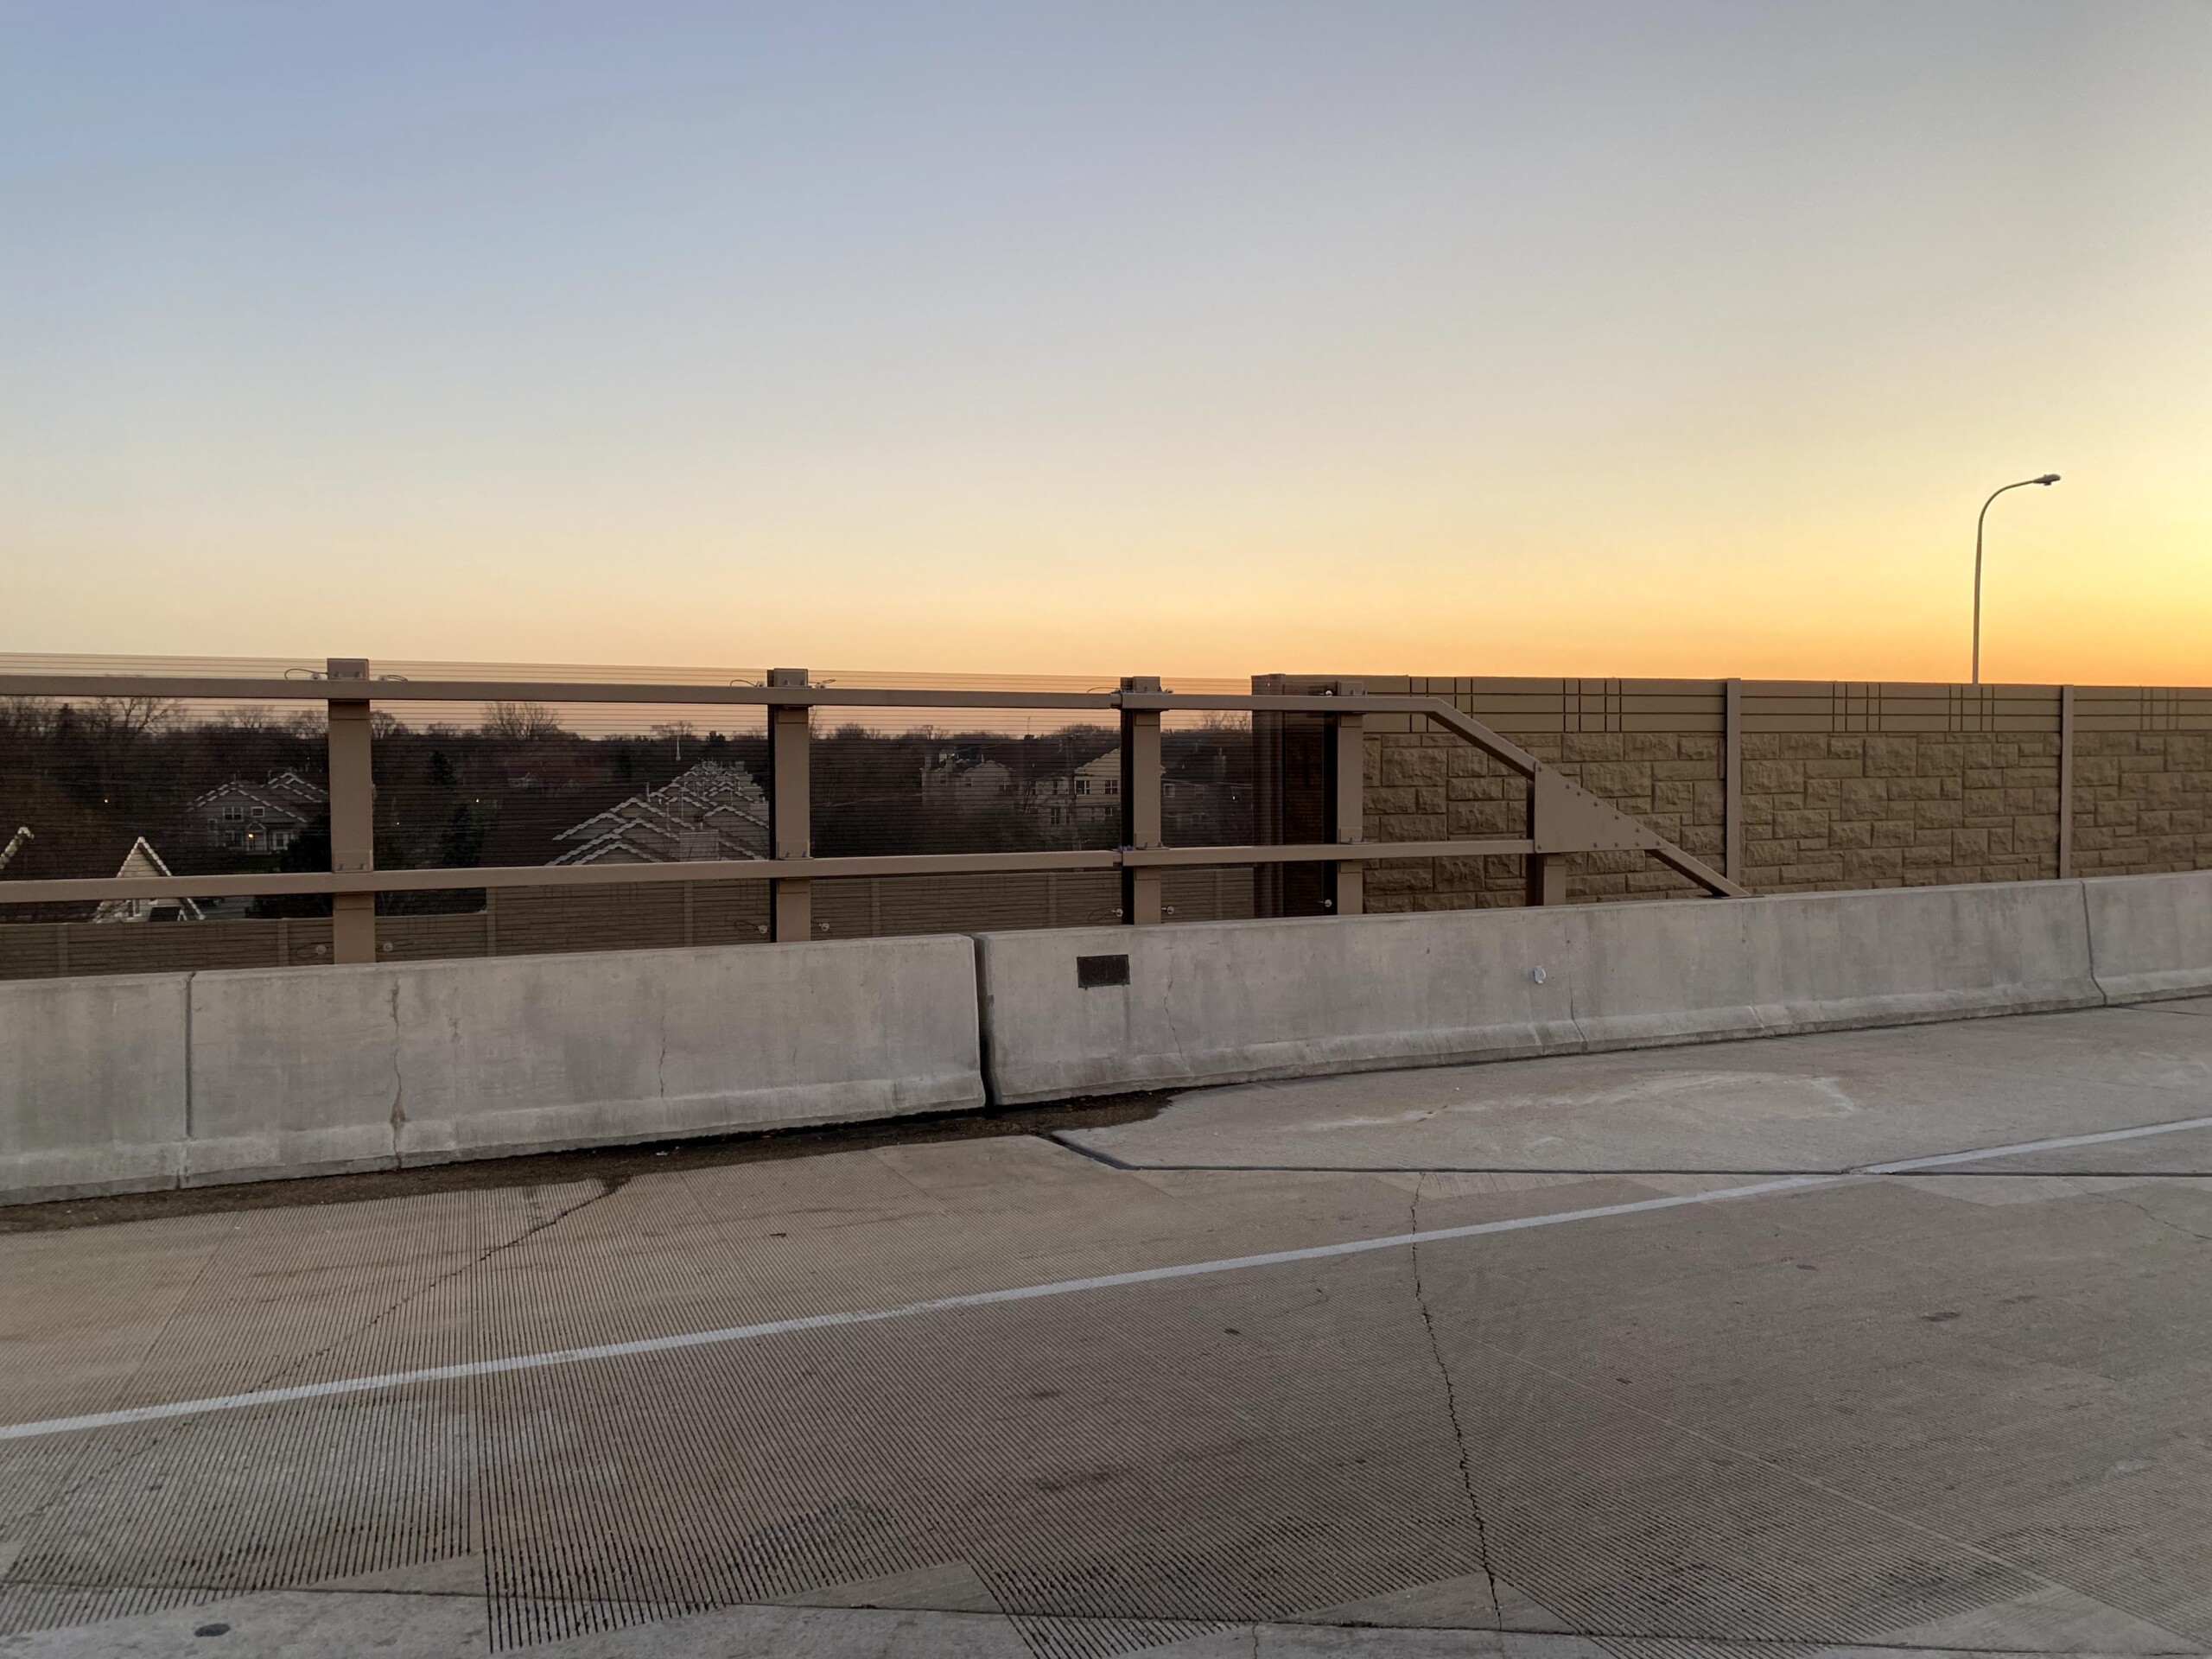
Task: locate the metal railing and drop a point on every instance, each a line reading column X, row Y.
column 1563, row 818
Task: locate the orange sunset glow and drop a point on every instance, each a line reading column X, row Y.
column 1420, row 338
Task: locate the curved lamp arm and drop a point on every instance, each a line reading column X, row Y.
column 2047, row 478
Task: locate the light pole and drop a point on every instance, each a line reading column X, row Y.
column 2048, row 477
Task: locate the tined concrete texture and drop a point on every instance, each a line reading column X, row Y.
column 1417, row 1396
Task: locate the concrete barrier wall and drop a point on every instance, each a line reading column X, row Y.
column 1223, row 1002
column 1233, row 1002
column 110, row 1085
column 152, row 1080
column 1694, row 970
column 93, row 1088
column 2150, row 934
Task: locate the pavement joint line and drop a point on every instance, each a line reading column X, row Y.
column 343, row 1386
column 1901, row 1166
column 1906, row 1165
column 1633, row 1172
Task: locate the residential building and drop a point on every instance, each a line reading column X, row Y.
column 959, row 776
column 143, row 861
column 1195, row 810
column 1080, row 797
column 297, row 789
column 258, row 817
column 710, row 812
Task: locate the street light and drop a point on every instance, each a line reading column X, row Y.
column 2048, row 477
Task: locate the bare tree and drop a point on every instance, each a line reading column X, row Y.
column 129, row 719
column 25, row 717
column 678, row 732
column 520, row 721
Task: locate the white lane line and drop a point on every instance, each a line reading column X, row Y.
column 1905, row 1166
column 828, row 1321
column 1029, row 1293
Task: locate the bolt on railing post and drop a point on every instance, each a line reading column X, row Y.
column 791, row 833
column 1345, row 890
column 352, row 809
column 1141, row 813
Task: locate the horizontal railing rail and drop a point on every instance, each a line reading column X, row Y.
column 1563, row 819
column 292, row 883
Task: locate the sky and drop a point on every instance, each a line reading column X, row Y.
column 1158, row 336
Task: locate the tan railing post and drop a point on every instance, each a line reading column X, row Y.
column 1268, row 828
column 1313, row 831
column 353, row 810
column 1732, row 777
column 1140, row 816
column 1546, row 872
column 1547, row 878
column 1346, row 889
column 791, row 903
column 2065, row 782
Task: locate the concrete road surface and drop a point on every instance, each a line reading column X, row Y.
column 1890, row 1342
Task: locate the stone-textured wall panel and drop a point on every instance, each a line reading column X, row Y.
column 1844, row 786
column 2142, row 802
column 1673, row 780
column 1869, row 810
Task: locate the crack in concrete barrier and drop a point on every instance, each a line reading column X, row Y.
column 189, row 980
column 398, row 1079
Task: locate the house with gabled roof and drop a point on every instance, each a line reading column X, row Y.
column 290, row 786
column 143, row 861
column 712, row 810
column 960, row 776
column 257, row 817
column 1086, row 795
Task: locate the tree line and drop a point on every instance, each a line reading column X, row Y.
column 88, row 778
